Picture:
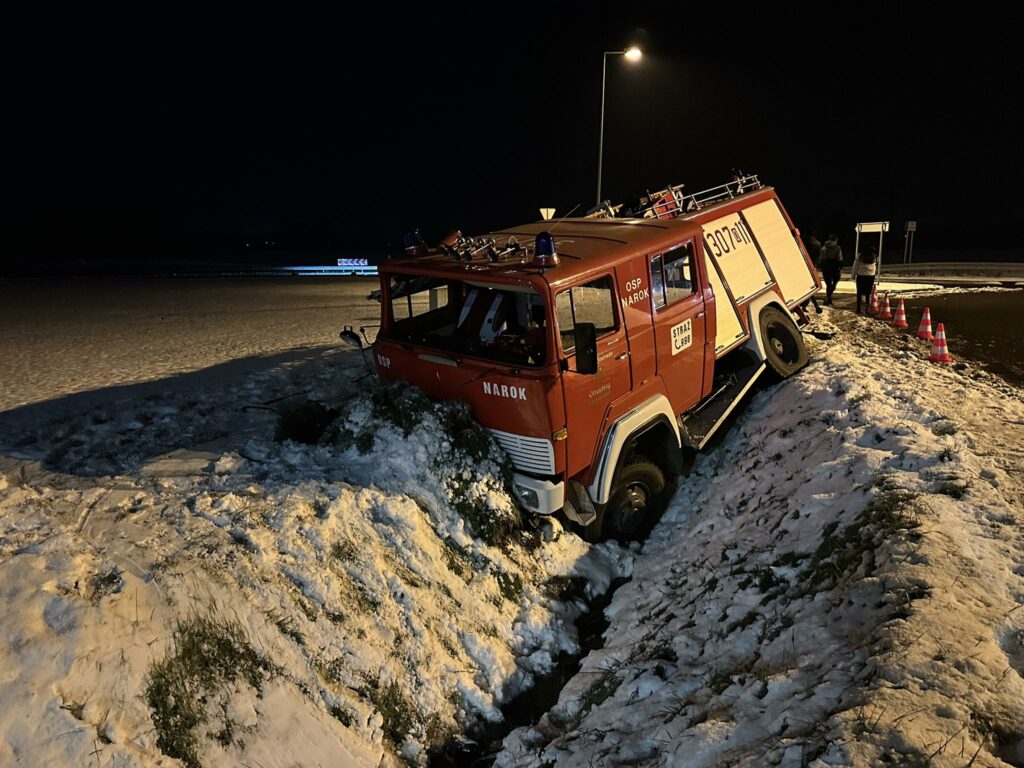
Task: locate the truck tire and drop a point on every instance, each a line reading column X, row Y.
column 784, row 347
column 637, row 500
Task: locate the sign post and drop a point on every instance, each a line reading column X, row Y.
column 908, row 241
column 881, row 227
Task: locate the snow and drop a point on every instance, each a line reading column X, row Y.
column 902, row 289
column 840, row 582
column 58, row 337
column 376, row 621
column 895, row 286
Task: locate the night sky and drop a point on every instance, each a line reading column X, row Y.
column 156, row 137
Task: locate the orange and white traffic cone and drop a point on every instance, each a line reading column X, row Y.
column 940, row 353
column 873, row 306
column 900, row 321
column 886, row 313
column 924, row 330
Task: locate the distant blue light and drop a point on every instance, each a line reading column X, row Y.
column 346, row 270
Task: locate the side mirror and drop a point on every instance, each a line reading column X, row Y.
column 349, row 335
column 585, row 338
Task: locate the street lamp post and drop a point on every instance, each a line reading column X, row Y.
column 631, row 54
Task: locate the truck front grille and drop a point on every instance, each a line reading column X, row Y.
column 530, row 454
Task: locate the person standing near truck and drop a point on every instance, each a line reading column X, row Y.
column 865, row 268
column 814, row 249
column 831, row 264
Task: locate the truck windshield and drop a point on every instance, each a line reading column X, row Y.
column 503, row 323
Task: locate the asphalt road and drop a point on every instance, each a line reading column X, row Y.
column 985, row 327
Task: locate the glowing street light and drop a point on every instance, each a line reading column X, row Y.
column 632, row 54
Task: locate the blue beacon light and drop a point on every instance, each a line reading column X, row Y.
column 544, row 250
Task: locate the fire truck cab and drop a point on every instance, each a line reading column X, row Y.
column 602, row 351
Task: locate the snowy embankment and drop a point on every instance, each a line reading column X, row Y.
column 840, row 582
column 175, row 584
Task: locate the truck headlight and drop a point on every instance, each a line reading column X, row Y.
column 527, row 497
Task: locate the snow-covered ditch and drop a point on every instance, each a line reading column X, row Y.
column 840, row 582
column 170, row 598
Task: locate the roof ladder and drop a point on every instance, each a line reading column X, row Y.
column 670, row 202
column 666, row 203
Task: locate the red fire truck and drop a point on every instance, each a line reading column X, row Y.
column 602, row 351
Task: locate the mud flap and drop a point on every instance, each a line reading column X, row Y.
column 578, row 506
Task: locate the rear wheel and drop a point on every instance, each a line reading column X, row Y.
column 638, row 498
column 784, row 347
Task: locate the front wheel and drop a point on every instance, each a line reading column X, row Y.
column 637, row 499
column 784, row 347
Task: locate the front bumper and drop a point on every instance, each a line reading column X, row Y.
column 542, row 497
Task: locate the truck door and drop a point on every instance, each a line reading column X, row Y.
column 588, row 397
column 680, row 324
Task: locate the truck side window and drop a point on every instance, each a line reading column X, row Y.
column 592, row 302
column 413, row 297
column 672, row 275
